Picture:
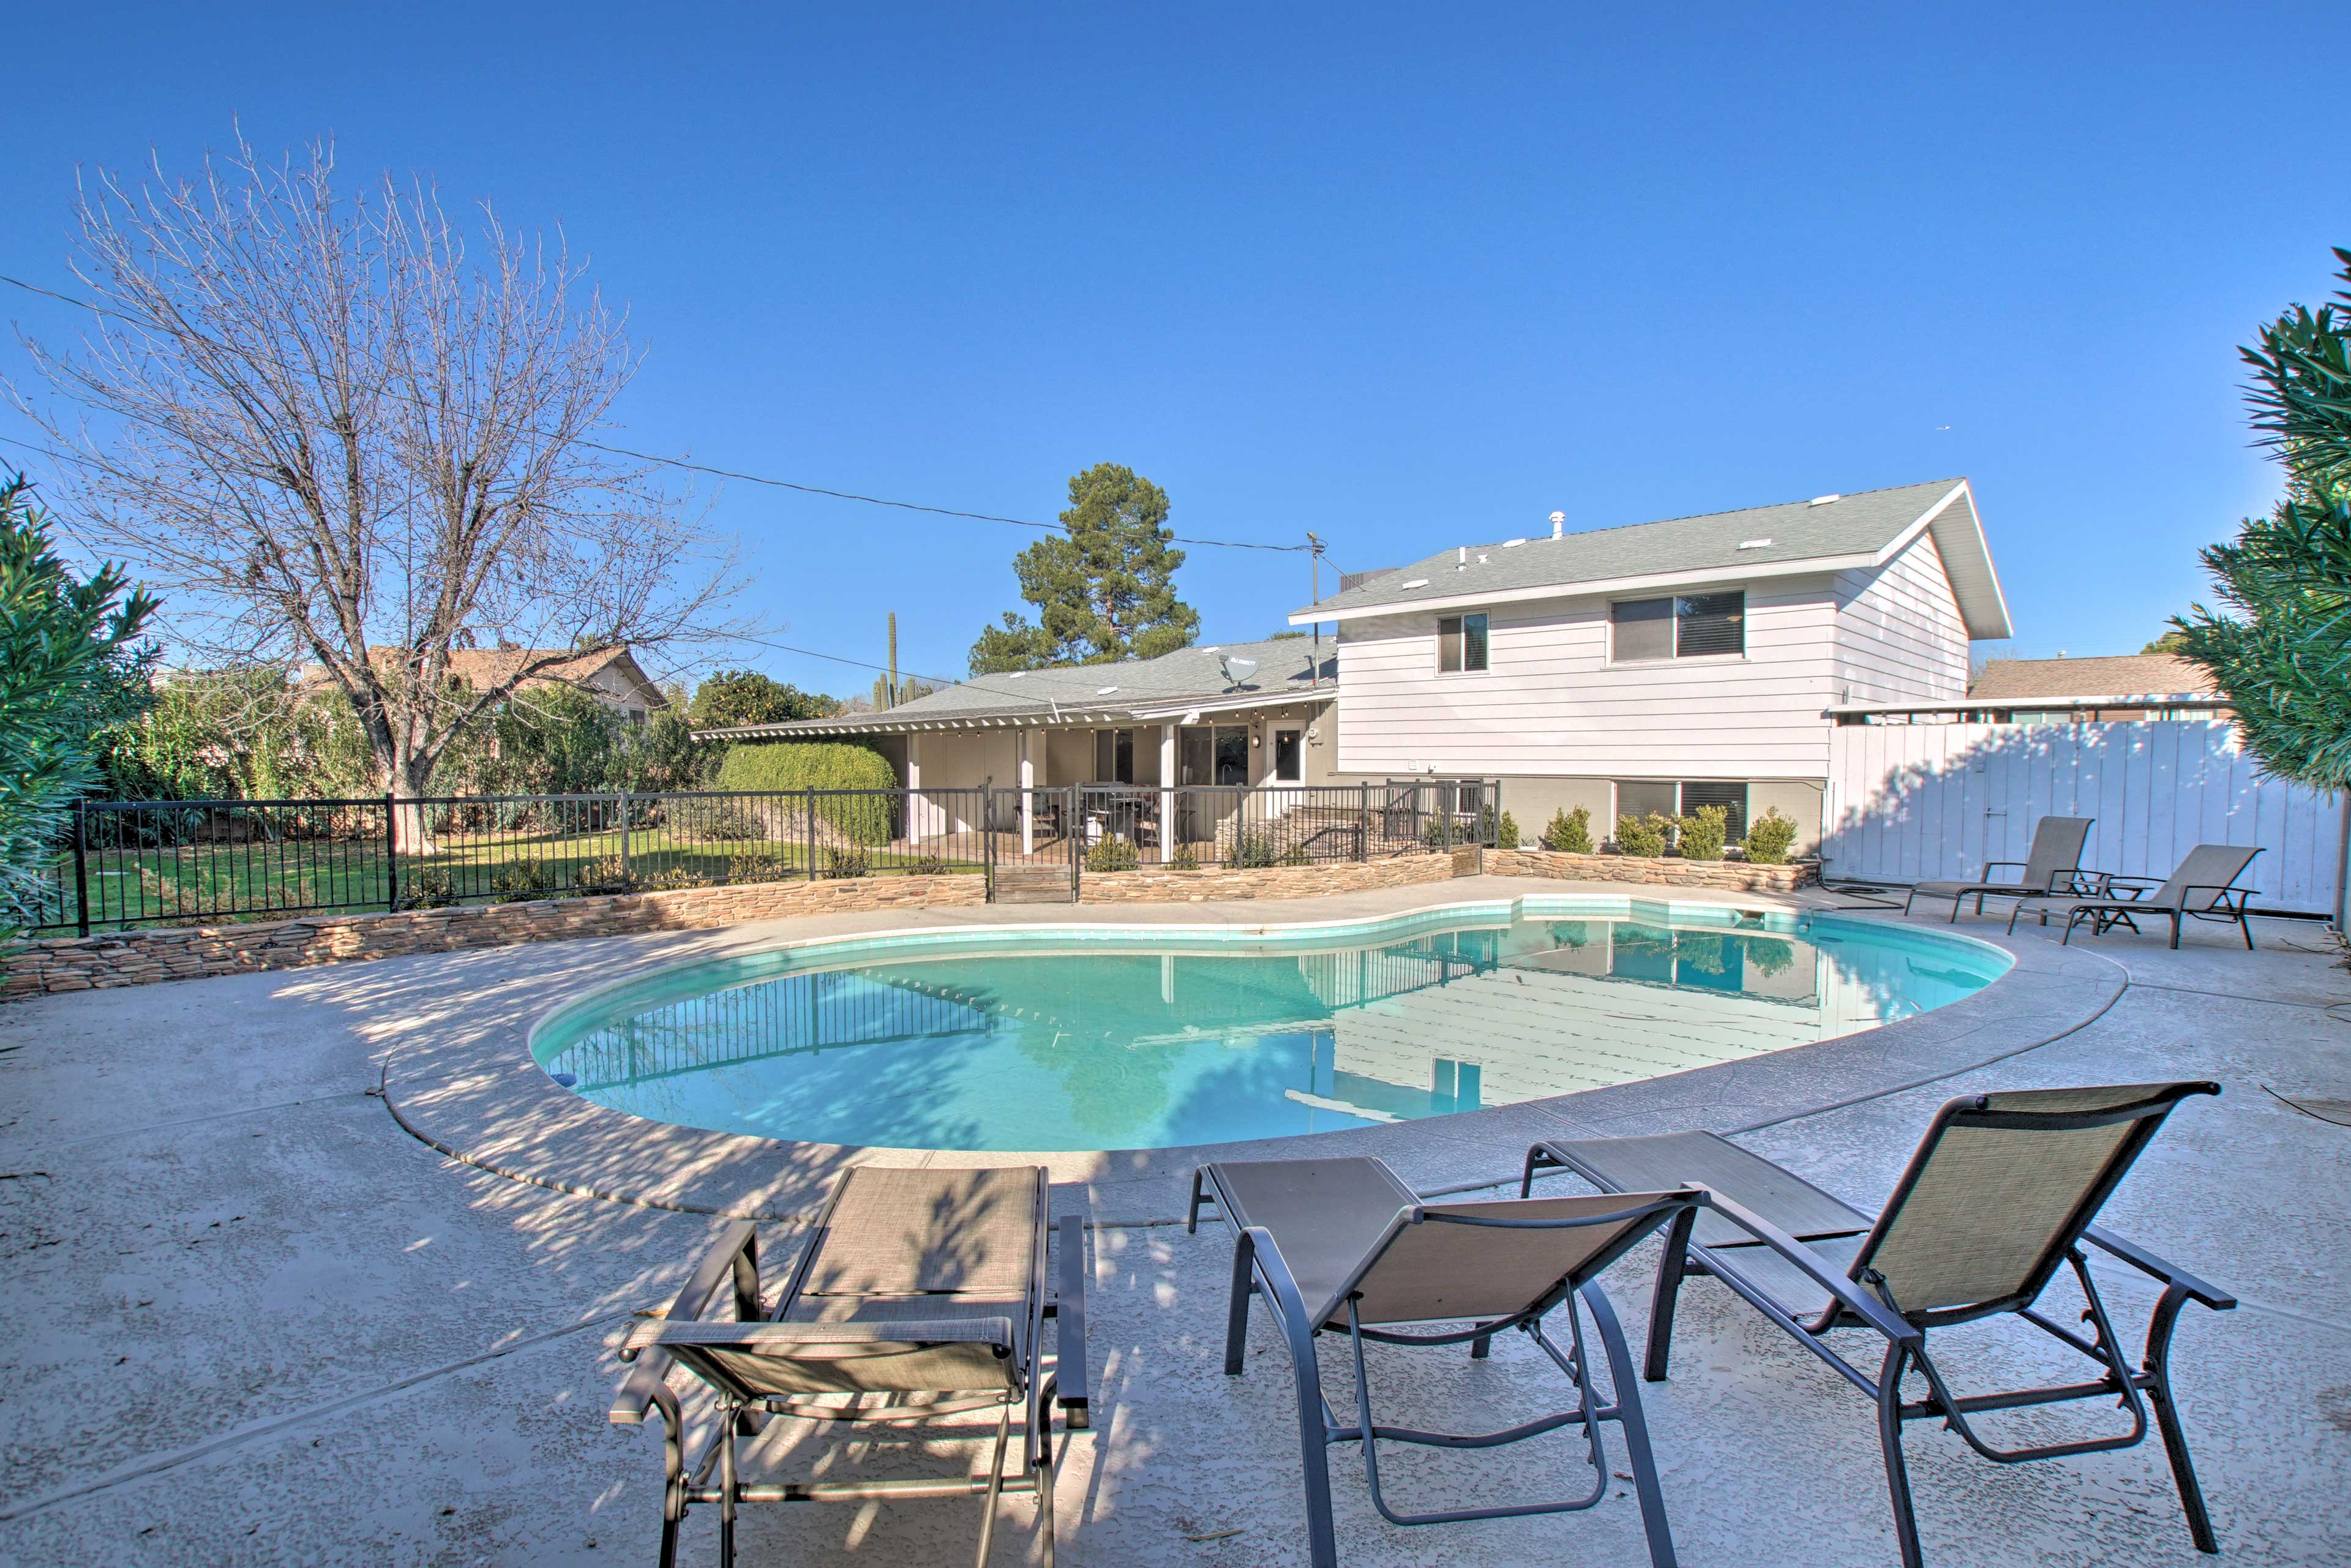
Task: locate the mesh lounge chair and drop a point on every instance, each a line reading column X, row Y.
column 920, row 1294
column 2001, row 1194
column 2203, row 888
column 2054, row 864
column 1340, row 1245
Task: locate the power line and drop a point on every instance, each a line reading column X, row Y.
column 681, row 463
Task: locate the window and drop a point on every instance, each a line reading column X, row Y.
column 1286, row 756
column 1690, row 627
column 1710, row 624
column 1668, row 798
column 1113, row 757
column 1460, row 643
column 1642, row 796
column 1731, row 797
column 1232, row 754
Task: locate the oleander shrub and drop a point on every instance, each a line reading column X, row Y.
column 1644, row 835
column 1702, row 832
column 1770, row 837
column 1570, row 832
column 1109, row 854
column 856, row 819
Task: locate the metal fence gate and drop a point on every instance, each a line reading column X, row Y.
column 1915, row 803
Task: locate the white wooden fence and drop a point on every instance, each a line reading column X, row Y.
column 1915, row 802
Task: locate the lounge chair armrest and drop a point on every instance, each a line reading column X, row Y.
column 2018, row 864
column 735, row 1258
column 2147, row 1264
column 1073, row 1390
column 2115, row 884
column 646, row 1386
column 656, row 1331
column 1850, row 1296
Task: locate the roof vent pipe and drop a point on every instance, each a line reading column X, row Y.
column 1558, row 524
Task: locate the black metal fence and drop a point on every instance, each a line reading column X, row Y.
column 141, row 861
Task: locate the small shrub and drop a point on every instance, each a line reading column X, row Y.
column 603, row 874
column 522, row 878
column 670, row 877
column 1702, row 832
column 1251, row 851
column 719, row 821
column 757, row 868
column 428, row 887
column 1570, row 832
column 1768, row 838
column 840, row 866
column 1296, row 855
column 1644, row 835
column 926, row 866
column 1185, row 858
column 1109, row 854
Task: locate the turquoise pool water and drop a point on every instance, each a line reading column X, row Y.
column 1055, row 1038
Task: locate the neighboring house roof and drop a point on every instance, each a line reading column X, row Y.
column 2113, row 676
column 1833, row 534
column 483, row 668
column 1166, row 687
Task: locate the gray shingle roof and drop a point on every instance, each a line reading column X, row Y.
column 2109, row 676
column 1858, row 524
column 1285, row 671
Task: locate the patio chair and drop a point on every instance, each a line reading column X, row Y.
column 2051, row 865
column 920, row 1294
column 2203, row 888
column 2001, row 1192
column 1342, row 1246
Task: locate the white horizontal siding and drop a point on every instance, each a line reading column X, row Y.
column 1898, row 630
column 1552, row 703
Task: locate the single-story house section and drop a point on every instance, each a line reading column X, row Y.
column 1666, row 665
column 612, row 677
column 1234, row 714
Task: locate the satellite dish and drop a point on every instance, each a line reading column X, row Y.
column 1237, row 671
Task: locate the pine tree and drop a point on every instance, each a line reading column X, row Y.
column 2284, row 658
column 1104, row 592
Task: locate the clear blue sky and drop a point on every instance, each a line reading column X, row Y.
column 1407, row 280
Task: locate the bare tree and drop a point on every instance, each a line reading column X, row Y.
column 339, row 437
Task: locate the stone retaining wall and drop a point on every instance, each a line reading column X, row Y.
column 176, row 953
column 1150, row 884
column 1731, row 876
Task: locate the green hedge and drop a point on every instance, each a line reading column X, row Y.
column 820, row 765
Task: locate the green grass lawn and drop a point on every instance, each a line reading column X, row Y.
column 265, row 881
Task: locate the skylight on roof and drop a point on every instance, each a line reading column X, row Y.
column 1416, row 582
column 1104, row 690
column 1512, row 544
column 1016, row 675
column 1754, row 544
column 1822, row 501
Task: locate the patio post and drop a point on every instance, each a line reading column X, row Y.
column 1028, row 800
column 1166, row 793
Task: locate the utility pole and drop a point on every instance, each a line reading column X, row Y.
column 1315, row 558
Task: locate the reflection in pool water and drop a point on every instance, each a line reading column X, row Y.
column 1100, row 1043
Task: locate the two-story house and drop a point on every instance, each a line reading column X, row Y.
column 1666, row 665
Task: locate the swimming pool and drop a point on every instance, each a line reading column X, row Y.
column 1059, row 1038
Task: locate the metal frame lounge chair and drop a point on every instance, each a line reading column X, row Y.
column 2203, row 888
column 2001, row 1194
column 920, row 1294
column 1342, row 1246
column 2054, row 864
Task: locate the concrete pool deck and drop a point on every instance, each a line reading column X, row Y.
column 256, row 1321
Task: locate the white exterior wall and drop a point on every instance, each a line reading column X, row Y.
column 1553, row 705
column 1898, row 630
